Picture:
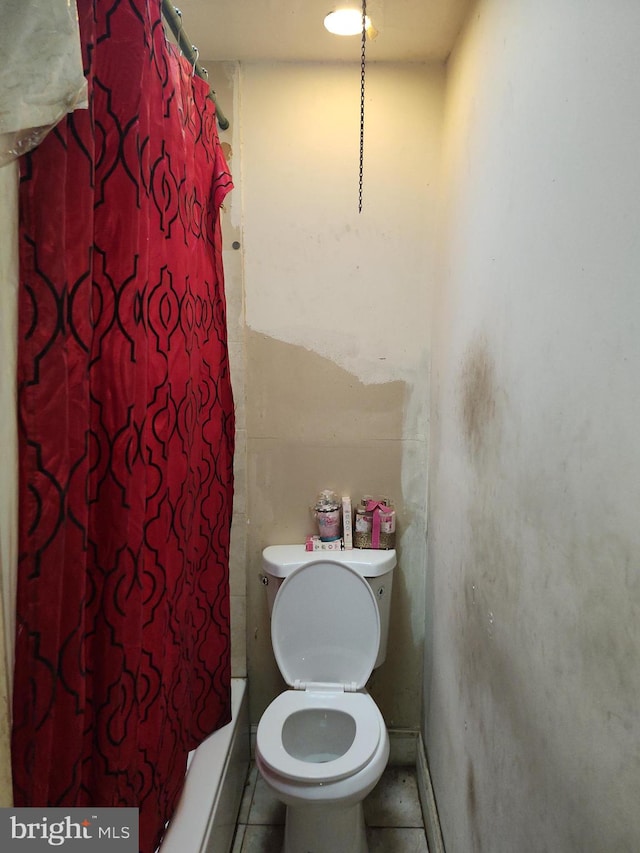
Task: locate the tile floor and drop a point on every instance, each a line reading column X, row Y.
column 392, row 814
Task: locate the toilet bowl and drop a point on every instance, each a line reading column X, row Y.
column 322, row 746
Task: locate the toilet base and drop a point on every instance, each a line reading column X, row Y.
column 325, row 829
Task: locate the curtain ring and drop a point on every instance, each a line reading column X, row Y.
column 195, row 61
column 179, row 14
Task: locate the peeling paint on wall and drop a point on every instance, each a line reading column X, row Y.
column 338, row 325
column 312, row 425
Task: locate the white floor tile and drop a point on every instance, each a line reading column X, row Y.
column 392, row 813
column 396, row 840
column 395, row 800
column 265, row 807
column 263, row 839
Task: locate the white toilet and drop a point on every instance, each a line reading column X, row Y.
column 322, row 746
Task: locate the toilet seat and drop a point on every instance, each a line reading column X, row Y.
column 325, row 627
column 359, row 706
column 325, row 630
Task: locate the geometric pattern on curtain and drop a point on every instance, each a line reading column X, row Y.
column 126, row 426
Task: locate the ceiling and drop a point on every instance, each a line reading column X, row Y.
column 292, row 30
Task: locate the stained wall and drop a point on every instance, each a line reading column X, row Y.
column 532, row 670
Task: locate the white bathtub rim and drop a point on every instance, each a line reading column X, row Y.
column 189, row 829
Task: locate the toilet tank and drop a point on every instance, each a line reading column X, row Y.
column 375, row 566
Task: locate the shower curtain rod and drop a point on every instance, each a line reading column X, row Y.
column 173, row 17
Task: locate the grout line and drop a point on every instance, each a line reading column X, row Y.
column 238, row 838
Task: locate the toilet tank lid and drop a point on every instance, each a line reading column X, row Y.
column 281, row 560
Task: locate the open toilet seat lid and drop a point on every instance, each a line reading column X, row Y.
column 272, row 751
column 325, row 626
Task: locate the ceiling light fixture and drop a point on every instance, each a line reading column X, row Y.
column 345, row 22
column 349, row 22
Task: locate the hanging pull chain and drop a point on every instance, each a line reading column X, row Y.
column 362, row 70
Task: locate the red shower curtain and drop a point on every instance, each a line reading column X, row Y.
column 126, row 431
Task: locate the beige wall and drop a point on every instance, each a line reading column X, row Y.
column 337, row 320
column 9, row 443
column 223, row 80
column 533, row 672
